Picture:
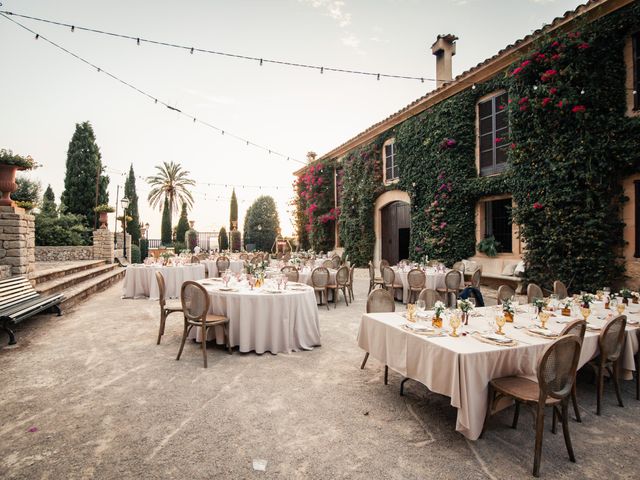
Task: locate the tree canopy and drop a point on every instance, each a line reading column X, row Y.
column 133, row 227
column 233, row 212
column 171, row 183
column 165, row 233
column 183, row 224
column 261, row 224
column 54, row 228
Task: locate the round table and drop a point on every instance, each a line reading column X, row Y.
column 236, row 266
column 140, row 280
column 262, row 321
column 434, row 281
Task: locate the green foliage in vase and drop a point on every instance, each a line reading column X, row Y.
column 133, row 227
column 7, row 157
column 261, row 223
column 83, row 170
column 488, row 246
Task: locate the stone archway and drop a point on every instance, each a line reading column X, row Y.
column 389, row 200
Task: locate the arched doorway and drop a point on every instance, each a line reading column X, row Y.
column 393, row 226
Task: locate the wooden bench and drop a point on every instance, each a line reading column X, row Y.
column 19, row 300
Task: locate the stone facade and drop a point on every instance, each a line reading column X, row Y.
column 5, row 271
column 17, row 240
column 63, row 254
column 103, row 245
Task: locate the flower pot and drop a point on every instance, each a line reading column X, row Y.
column 436, row 322
column 8, row 184
column 625, row 301
column 104, row 216
column 635, row 299
column 566, row 312
column 465, row 318
column 508, row 316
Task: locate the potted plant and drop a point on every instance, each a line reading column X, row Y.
column 465, row 305
column 508, row 309
column 539, row 303
column 489, row 246
column 28, row 206
column 567, row 303
column 103, row 209
column 625, row 293
column 586, row 299
column 439, row 308
column 10, row 163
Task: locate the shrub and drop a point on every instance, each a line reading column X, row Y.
column 144, row 248
column 135, row 254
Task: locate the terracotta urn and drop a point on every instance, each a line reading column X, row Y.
column 104, row 217
column 8, row 184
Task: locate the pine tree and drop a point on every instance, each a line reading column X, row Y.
column 49, row 207
column 165, row 236
column 233, row 212
column 83, row 171
column 183, row 224
column 133, row 226
column 223, row 239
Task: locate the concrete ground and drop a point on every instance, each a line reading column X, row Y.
column 90, row 395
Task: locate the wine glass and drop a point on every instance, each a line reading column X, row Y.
column 585, row 311
column 421, row 306
column 553, row 301
column 279, row 281
column 500, row 321
column 613, row 303
column 491, row 323
column 252, row 281
column 544, row 317
column 285, row 280
column 620, row 308
column 454, row 321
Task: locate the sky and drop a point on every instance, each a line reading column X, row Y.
column 45, row 92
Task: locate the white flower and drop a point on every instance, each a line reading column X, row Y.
column 438, row 305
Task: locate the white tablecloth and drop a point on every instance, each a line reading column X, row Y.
column 265, row 322
column 140, row 282
column 462, row 367
column 434, row 281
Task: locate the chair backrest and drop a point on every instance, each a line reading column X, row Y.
column 577, row 328
column 560, row 289
column 162, row 289
column 202, row 256
column 557, row 367
column 244, row 256
column 342, row 276
column 195, row 259
column 195, row 301
column 372, row 272
column 533, row 292
column 388, row 276
column 222, row 263
column 279, row 256
column 430, row 297
column 380, row 301
column 505, row 292
column 320, row 277
column 336, row 261
column 416, row 279
column 286, row 257
column 476, row 278
column 611, row 338
column 327, row 264
column 458, row 266
column 383, row 263
column 452, row 279
column 291, row 272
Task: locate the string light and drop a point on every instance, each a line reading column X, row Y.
column 144, row 93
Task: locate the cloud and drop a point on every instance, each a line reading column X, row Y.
column 333, row 8
column 351, row 41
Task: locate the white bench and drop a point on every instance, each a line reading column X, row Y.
column 494, row 271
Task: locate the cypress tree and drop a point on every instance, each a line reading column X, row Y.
column 165, row 235
column 49, row 207
column 223, row 239
column 261, row 224
column 183, row 224
column 233, row 212
column 133, row 227
column 83, row 171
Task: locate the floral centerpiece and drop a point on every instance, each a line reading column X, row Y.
column 539, row 303
column 586, row 299
column 567, row 303
column 465, row 305
column 508, row 309
column 438, row 308
column 257, row 270
column 625, row 293
column 635, row 297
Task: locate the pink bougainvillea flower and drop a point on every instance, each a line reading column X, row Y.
column 546, row 101
column 501, row 107
column 443, row 225
column 523, row 100
column 553, row 90
column 559, row 104
column 555, row 44
column 583, row 46
column 548, row 74
column 573, row 34
column 538, row 206
column 498, row 139
column 418, row 249
column 516, row 71
column 513, row 146
column 525, row 63
column 540, row 57
column 523, row 108
column 579, row 109
column 555, row 56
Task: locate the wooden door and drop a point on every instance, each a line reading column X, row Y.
column 395, row 231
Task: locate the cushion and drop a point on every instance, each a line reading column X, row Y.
column 470, row 266
column 509, row 269
column 519, row 268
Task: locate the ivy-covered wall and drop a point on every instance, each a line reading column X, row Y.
column 570, row 145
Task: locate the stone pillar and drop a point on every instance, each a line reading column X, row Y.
column 120, row 248
column 17, row 240
column 103, row 245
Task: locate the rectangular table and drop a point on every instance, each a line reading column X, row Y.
column 461, row 367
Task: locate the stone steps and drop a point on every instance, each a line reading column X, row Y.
column 81, row 290
column 69, row 278
column 59, row 270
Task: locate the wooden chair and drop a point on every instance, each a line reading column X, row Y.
column 389, row 281
column 195, row 305
column 533, row 292
column 476, row 278
column 336, row 261
column 452, row 282
column 505, row 292
column 195, row 259
column 556, row 373
column 244, row 257
column 291, row 272
column 222, row 264
column 610, row 342
column 373, row 280
column 458, row 266
column 560, row 289
column 379, row 301
column 430, row 297
column 319, row 281
column 383, row 263
column 577, row 328
column 342, row 283
column 286, row 257
column 350, row 285
column 328, row 264
column 165, row 308
column 417, row 280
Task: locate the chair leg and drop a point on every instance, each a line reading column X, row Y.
column 204, row 345
column 554, row 420
column 226, row 333
column 516, row 415
column 364, row 362
column 346, row 295
column 616, row 381
column 637, row 380
column 326, row 293
column 404, row 380
column 184, row 338
column 574, row 400
column 161, row 329
column 386, row 375
column 565, row 429
column 599, row 389
column 539, row 433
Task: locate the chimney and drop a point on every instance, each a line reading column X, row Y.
column 444, row 49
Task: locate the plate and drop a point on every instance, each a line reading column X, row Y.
column 497, row 338
column 227, row 289
column 543, row 331
column 419, row 327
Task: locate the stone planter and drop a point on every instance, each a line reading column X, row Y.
column 8, row 184
column 104, row 217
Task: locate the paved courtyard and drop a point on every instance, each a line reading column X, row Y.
column 90, row 395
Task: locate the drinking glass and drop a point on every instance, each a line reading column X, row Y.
column 544, row 317
column 454, row 321
column 500, row 321
column 585, row 312
column 613, row 303
column 553, row 301
column 620, row 307
column 421, row 306
column 285, row 280
column 279, row 281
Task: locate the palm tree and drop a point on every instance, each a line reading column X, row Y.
column 171, row 183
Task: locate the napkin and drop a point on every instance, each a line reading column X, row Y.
column 419, row 327
column 543, row 331
column 497, row 338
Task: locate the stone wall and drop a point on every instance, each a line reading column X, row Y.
column 63, row 254
column 5, row 271
column 103, row 245
column 17, row 240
